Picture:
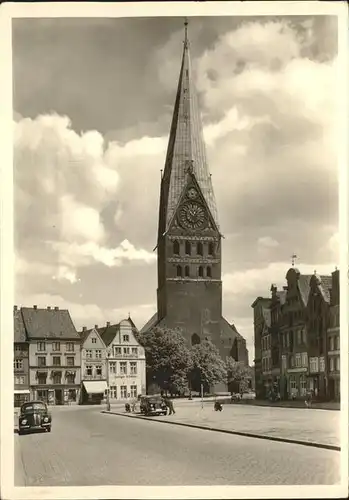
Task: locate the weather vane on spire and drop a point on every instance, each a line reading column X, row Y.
column 294, row 257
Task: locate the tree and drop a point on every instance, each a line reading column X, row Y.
column 239, row 375
column 167, row 358
column 208, row 368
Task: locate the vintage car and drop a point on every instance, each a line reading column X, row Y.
column 34, row 416
column 153, row 405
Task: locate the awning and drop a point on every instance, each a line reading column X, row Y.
column 22, row 391
column 95, row 386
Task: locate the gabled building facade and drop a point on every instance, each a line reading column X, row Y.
column 262, row 343
column 278, row 298
column 54, row 355
column 189, row 293
column 93, row 366
column 125, row 361
column 20, row 360
column 333, row 341
column 317, row 323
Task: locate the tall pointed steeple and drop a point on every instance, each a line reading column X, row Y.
column 186, row 148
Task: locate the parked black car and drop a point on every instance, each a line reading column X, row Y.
column 34, row 416
column 153, row 405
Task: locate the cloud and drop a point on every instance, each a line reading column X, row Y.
column 87, row 209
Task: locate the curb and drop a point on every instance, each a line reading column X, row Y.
column 236, row 433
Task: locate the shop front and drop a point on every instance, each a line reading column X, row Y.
column 21, row 396
column 93, row 391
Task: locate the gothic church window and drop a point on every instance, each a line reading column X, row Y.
column 187, row 271
column 201, row 272
column 199, row 249
column 187, row 248
column 210, row 249
column 176, row 247
column 179, row 271
column 209, row 272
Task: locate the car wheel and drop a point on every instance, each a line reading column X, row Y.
column 20, row 433
column 49, row 429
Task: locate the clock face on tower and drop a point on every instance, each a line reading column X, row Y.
column 192, row 216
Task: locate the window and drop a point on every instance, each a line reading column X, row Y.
column 18, row 348
column 42, row 377
column 117, row 351
column 337, row 343
column 314, row 365
column 18, row 364
column 304, row 337
column 208, row 272
column 298, row 360
column 304, row 356
column 94, row 340
column 56, row 361
column 199, row 249
column 331, row 364
column 133, row 368
column 41, row 360
column 322, row 364
column 303, row 385
column 134, row 351
column 210, row 249
column 98, row 353
column 98, row 370
column 57, row 378
column 126, row 351
column 88, row 370
column 71, row 378
column 293, row 384
column 176, row 248
column 56, row 346
column 284, row 363
column 126, row 338
column 19, row 380
column 179, row 271
column 299, row 337
column 123, row 368
column 187, row 248
column 88, row 354
column 41, row 346
column 331, row 343
column 338, row 363
column 292, row 361
column 133, row 391
column 112, row 367
column 113, row 392
column 201, row 272
column 70, row 346
column 195, row 339
column 70, row 360
column 123, row 392
column 186, row 271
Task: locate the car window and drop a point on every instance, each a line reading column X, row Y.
column 33, row 406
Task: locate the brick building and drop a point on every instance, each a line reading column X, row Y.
column 278, row 298
column 333, row 340
column 189, row 245
column 262, row 343
column 20, row 360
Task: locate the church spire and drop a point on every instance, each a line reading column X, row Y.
column 186, row 151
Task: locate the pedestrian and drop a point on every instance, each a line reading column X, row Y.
column 169, row 405
column 308, row 399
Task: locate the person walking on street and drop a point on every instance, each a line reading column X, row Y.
column 169, row 404
column 308, row 399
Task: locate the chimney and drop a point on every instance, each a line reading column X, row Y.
column 15, row 308
column 84, row 328
column 108, row 323
column 35, row 307
column 56, row 308
column 49, row 308
column 96, row 326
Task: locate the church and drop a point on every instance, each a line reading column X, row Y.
column 189, row 249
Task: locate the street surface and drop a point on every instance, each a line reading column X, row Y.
column 88, row 448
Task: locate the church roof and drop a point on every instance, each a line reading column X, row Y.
column 186, row 148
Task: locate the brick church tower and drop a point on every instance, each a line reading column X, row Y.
column 189, row 294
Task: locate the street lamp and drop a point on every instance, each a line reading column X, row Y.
column 108, row 390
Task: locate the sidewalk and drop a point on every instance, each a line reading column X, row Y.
column 309, row 426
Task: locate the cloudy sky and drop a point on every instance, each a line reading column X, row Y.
column 92, row 107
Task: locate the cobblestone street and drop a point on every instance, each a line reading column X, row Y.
column 87, row 448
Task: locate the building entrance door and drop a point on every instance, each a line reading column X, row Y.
column 59, row 396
